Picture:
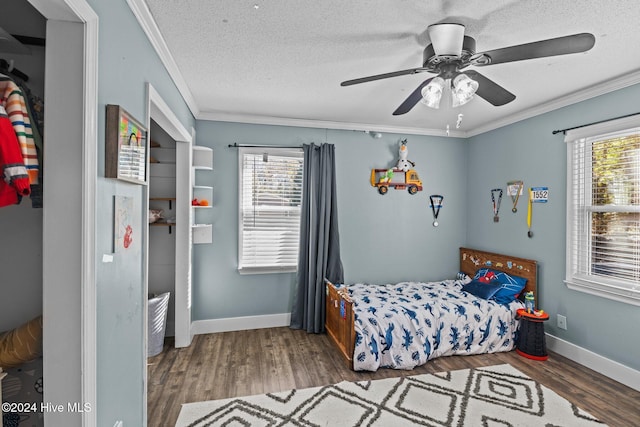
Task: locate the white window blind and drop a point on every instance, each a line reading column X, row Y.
column 603, row 210
column 269, row 212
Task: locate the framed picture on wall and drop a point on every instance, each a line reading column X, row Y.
column 126, row 146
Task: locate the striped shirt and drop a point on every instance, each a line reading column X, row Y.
column 12, row 99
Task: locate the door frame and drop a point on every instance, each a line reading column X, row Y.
column 84, row 348
column 161, row 113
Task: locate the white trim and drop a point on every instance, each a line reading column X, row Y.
column 624, row 295
column 148, row 24
column 583, row 95
column 617, row 289
column 320, row 124
column 610, row 368
column 89, row 190
column 247, row 262
column 184, row 247
column 81, row 11
column 145, row 271
column 591, row 92
column 212, row 326
column 162, row 114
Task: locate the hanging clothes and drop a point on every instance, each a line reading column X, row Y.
column 16, row 178
column 35, row 109
column 14, row 104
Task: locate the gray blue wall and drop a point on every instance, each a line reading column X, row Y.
column 127, row 61
column 527, row 150
column 390, row 238
column 383, row 238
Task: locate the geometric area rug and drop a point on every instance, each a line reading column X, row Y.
column 493, row 396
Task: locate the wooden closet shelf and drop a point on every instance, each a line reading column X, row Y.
column 163, row 224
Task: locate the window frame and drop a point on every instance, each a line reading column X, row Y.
column 275, row 151
column 602, row 286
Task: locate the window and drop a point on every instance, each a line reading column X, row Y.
column 603, row 210
column 269, row 209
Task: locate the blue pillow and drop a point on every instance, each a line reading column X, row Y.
column 482, row 290
column 511, row 285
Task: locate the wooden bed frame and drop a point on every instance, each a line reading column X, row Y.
column 339, row 307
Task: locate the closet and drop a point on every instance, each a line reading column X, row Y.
column 22, row 61
column 162, row 219
column 172, row 187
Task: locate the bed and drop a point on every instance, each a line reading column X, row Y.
column 406, row 324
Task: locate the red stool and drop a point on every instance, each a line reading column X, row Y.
column 531, row 340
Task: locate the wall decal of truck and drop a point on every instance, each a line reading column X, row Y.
column 396, row 178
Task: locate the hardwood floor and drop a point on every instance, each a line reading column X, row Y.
column 243, row 363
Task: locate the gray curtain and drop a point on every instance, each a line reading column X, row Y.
column 319, row 254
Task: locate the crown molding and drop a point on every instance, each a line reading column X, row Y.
column 148, row 24
column 579, row 96
column 323, row 124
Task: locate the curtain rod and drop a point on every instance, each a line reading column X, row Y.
column 593, row 123
column 236, row 145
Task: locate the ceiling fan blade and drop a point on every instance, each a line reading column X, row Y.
column 490, row 90
column 382, row 76
column 575, row 43
column 412, row 100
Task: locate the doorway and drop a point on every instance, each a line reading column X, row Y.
column 160, row 116
column 69, row 279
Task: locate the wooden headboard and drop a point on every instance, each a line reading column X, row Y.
column 472, row 259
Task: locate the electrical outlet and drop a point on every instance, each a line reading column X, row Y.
column 562, row 322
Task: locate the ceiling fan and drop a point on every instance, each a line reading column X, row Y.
column 451, row 52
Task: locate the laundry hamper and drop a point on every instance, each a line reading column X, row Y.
column 157, row 323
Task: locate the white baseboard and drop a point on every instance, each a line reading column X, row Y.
column 612, row 369
column 213, row 326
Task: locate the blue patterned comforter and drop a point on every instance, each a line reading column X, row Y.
column 406, row 324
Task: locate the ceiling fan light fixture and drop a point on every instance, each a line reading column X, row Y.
column 446, row 39
column 462, row 89
column 432, row 93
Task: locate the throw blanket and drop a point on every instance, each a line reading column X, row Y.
column 406, row 324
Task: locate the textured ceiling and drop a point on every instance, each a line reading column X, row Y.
column 282, row 61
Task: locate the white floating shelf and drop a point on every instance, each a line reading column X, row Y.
column 202, row 157
column 202, row 192
column 202, row 233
